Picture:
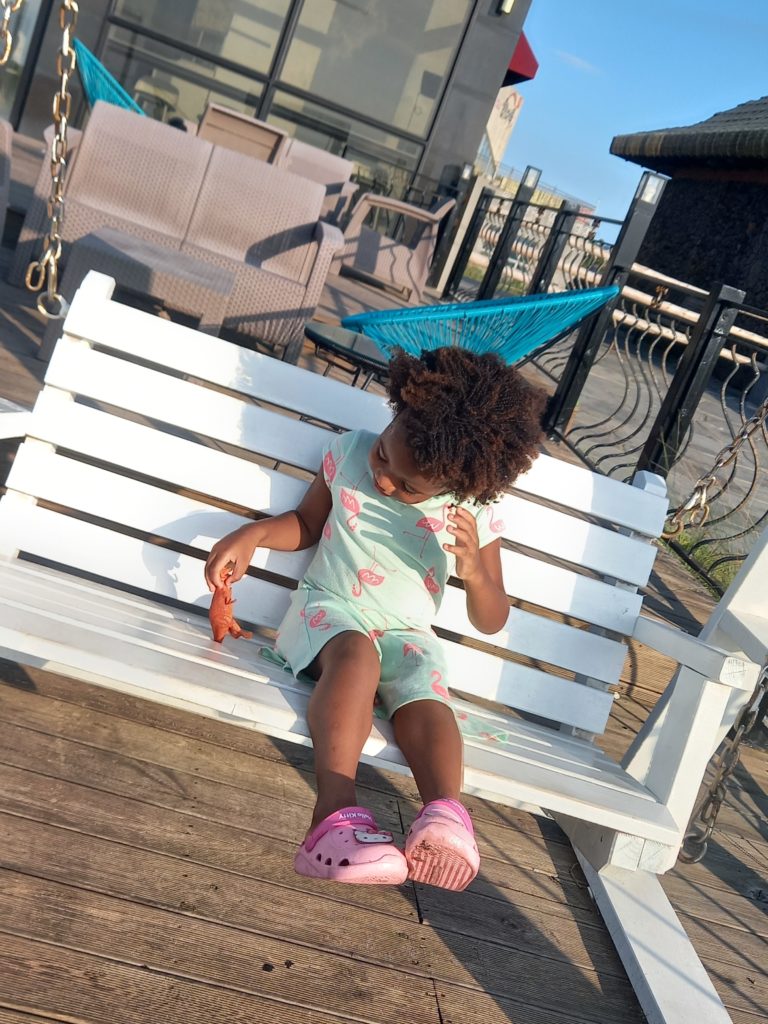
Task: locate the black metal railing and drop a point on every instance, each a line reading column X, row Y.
column 675, row 375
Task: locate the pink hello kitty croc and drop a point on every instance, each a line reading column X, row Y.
column 348, row 846
column 441, row 848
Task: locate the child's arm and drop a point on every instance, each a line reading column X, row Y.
column 480, row 569
column 290, row 531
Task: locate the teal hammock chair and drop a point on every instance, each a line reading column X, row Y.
column 98, row 83
column 514, row 328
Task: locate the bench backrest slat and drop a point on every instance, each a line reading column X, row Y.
column 201, row 411
column 260, row 377
column 185, row 464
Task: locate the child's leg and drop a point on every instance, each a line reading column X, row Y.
column 344, row 843
column 340, row 715
column 427, row 734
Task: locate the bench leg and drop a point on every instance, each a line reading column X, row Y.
column 669, row 980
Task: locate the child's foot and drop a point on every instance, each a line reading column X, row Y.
column 441, row 848
column 348, row 846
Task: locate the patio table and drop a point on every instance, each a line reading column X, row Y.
column 356, row 352
column 173, row 278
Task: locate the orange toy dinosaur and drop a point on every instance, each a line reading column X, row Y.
column 220, row 615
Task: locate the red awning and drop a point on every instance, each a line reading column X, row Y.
column 523, row 66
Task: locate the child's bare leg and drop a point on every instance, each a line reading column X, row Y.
column 340, row 715
column 440, row 847
column 427, row 734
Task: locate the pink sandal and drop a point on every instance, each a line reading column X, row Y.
column 348, row 846
column 441, row 848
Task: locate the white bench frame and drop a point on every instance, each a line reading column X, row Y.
column 626, row 821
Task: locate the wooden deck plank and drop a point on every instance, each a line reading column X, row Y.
column 471, row 958
column 73, row 986
column 189, row 948
column 360, row 933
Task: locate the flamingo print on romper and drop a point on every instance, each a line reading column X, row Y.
column 317, row 620
column 351, row 504
column 430, row 582
column 412, row 649
column 329, row 465
column 430, row 526
column 496, row 525
column 437, row 685
column 367, row 577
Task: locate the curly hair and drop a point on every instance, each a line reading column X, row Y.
column 470, row 420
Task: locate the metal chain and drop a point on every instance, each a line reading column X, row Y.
column 8, row 8
column 696, row 508
column 705, row 816
column 52, row 305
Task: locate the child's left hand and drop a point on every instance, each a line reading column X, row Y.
column 466, row 547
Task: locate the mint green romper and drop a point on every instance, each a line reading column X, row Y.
column 380, row 570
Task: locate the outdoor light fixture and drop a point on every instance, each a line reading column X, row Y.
column 505, row 6
column 530, row 177
column 650, row 188
column 466, row 172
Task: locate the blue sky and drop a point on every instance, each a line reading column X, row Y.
column 611, row 67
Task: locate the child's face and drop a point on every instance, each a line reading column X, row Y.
column 395, row 474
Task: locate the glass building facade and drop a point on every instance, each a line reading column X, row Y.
column 366, row 79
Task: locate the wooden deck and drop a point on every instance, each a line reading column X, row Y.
column 146, row 861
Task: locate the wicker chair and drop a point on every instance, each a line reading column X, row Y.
column 402, row 263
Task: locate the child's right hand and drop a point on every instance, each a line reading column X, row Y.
column 230, row 557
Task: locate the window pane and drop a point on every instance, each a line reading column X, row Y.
column 167, row 83
column 21, row 26
column 385, row 60
column 383, row 161
column 243, row 31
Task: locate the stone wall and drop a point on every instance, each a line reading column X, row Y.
column 708, row 231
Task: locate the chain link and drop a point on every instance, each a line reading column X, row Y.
column 705, row 816
column 46, row 270
column 696, row 508
column 8, row 7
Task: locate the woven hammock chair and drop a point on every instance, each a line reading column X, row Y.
column 514, row 328
column 98, row 83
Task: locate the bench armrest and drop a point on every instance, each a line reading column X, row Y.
column 710, row 662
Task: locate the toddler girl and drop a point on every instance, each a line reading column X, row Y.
column 394, row 516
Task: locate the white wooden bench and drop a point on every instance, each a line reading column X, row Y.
column 141, row 452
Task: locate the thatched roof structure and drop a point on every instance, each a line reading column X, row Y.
column 736, row 138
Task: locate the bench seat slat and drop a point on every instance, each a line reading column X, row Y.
column 249, row 688
column 131, row 503
column 257, row 376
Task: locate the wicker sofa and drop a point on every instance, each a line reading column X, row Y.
column 258, row 221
